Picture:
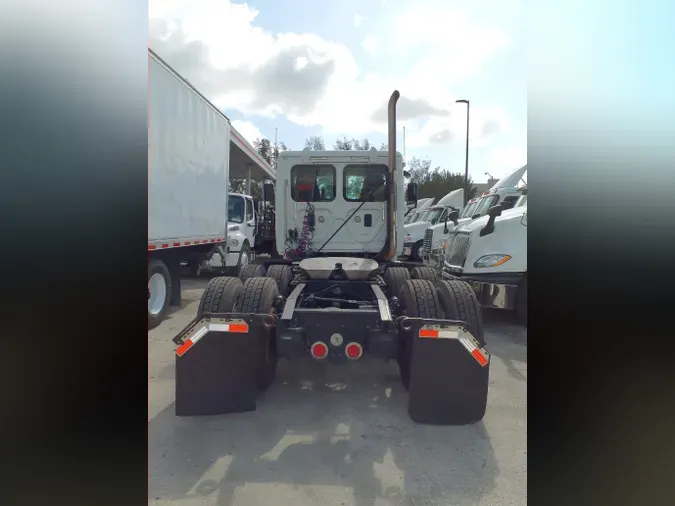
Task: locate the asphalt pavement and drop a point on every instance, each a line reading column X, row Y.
column 337, row 435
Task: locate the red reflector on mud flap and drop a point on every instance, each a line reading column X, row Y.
column 472, row 346
column 238, row 327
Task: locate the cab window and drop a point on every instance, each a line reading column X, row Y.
column 313, row 183
column 365, row 183
column 249, row 210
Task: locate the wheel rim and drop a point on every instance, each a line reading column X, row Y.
column 243, row 263
column 157, row 287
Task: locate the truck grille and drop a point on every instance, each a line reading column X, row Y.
column 457, row 249
column 428, row 238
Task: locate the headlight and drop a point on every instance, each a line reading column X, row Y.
column 445, row 243
column 491, row 261
column 234, row 242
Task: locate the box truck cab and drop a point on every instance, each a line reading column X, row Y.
column 505, row 192
column 414, row 232
column 490, row 253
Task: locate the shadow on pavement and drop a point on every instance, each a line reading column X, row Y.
column 345, row 427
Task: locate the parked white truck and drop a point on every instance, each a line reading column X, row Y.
column 505, row 192
column 193, row 152
column 490, row 253
column 414, row 232
column 416, row 212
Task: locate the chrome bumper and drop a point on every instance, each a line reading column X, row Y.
column 495, row 295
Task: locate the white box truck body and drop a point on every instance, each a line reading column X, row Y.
column 188, row 175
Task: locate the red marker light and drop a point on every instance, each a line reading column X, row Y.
column 319, row 350
column 354, row 351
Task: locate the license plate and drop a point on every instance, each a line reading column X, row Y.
column 407, row 252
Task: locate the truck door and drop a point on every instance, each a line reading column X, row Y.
column 364, row 185
column 250, row 222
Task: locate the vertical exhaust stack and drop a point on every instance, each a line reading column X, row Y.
column 391, row 197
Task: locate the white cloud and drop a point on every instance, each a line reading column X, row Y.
column 247, row 129
column 358, row 19
column 370, row 44
column 507, row 158
column 313, row 81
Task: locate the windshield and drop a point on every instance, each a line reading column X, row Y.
column 484, row 205
column 468, row 210
column 433, row 215
column 235, row 209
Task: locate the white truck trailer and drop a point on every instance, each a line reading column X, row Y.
column 193, row 152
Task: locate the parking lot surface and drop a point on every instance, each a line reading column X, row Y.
column 337, row 435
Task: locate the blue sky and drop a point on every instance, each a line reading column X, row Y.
column 248, row 59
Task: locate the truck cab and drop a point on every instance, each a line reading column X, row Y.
column 438, row 213
column 505, row 192
column 335, row 202
column 490, row 253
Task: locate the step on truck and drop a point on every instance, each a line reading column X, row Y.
column 193, row 153
column 337, row 295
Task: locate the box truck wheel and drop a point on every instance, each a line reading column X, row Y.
column 258, row 297
column 419, row 299
column 222, row 295
column 159, row 288
column 283, row 275
column 423, row 272
column 244, row 259
column 252, row 271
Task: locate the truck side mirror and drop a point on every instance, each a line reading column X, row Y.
column 268, row 193
column 453, row 216
column 411, row 193
column 490, row 226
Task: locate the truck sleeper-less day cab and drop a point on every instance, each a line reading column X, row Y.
column 338, row 295
column 414, row 232
column 504, row 192
column 490, row 253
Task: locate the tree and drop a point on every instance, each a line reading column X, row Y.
column 345, row 144
column 315, row 143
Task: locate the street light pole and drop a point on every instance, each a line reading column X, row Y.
column 466, row 157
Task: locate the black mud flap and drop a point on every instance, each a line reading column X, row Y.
column 449, row 372
column 216, row 364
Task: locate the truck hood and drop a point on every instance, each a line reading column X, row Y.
column 478, row 223
column 416, row 229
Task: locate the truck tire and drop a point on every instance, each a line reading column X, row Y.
column 419, row 299
column 459, row 303
column 415, row 253
column 258, row 298
column 424, row 272
column 222, row 295
column 394, row 277
column 252, row 271
column 521, row 301
column 159, row 291
column 448, row 386
column 244, row 259
column 283, row 275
